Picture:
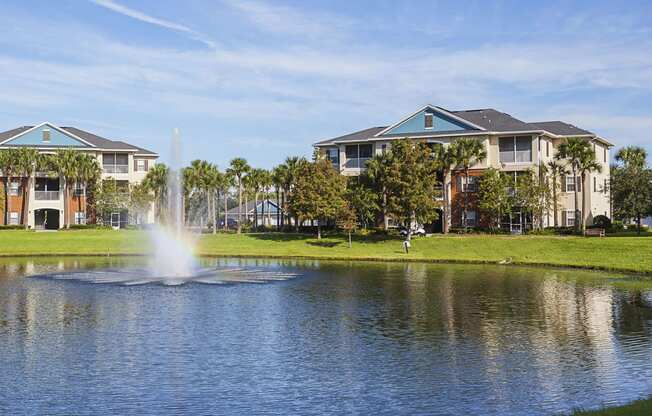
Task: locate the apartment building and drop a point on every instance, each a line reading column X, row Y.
column 512, row 146
column 43, row 207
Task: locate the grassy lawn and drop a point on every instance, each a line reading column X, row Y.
column 623, row 253
column 638, row 408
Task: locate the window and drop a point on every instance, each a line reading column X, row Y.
column 46, row 135
column 429, row 121
column 357, row 155
column 606, row 186
column 383, row 148
column 604, row 154
column 469, row 219
column 515, row 149
column 80, row 217
column 366, row 151
column 141, row 165
column 471, row 186
column 14, row 188
column 570, row 184
column 14, row 218
column 547, row 148
column 115, row 162
column 570, row 218
column 595, row 184
column 333, row 155
column 79, row 189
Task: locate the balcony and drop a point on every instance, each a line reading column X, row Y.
column 116, row 168
column 46, row 195
column 356, row 163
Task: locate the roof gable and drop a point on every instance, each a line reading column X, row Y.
column 443, row 121
column 34, row 137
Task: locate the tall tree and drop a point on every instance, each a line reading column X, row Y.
column 378, row 171
column 587, row 164
column 363, row 200
column 253, row 182
column 573, row 151
column 214, row 183
column 533, row 195
column 445, row 157
column 466, row 152
column 67, row 166
column 156, row 180
column 88, row 173
column 318, row 193
column 266, row 184
column 239, row 168
column 412, row 189
column 295, row 165
column 494, row 198
column 26, row 163
column 279, row 178
column 228, row 181
column 631, row 186
column 557, row 172
column 632, row 156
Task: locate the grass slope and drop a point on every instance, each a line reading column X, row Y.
column 638, row 408
column 629, row 254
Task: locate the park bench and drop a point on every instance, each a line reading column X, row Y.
column 594, row 232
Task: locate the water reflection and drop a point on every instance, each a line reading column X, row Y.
column 375, row 338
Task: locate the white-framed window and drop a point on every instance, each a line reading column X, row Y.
column 429, row 121
column 571, row 183
column 358, row 154
column 595, row 184
column 80, row 189
column 471, row 186
column 516, row 149
column 46, row 135
column 141, row 165
column 14, row 218
column 80, row 217
column 469, row 219
column 570, row 218
column 383, row 148
column 333, row 156
column 604, row 154
column 14, row 188
column 547, row 148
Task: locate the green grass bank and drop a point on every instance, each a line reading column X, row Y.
column 625, row 254
column 637, row 408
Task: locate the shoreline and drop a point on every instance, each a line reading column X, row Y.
column 515, row 263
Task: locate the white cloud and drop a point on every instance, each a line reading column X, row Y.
column 143, row 17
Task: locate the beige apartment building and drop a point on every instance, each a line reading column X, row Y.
column 512, row 146
column 44, row 208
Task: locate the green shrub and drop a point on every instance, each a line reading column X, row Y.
column 601, row 221
column 89, row 227
column 12, row 227
column 617, row 226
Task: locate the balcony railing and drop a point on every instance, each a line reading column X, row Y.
column 356, row 162
column 46, row 195
column 116, row 168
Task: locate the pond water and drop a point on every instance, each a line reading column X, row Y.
column 326, row 338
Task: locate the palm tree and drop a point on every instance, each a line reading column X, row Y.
column 156, row 181
column 445, row 159
column 557, row 171
column 253, row 181
column 214, row 182
column 279, row 178
column 634, row 156
column 465, row 153
column 8, row 164
column 587, row 165
column 66, row 163
column 266, row 184
column 239, row 168
column 228, row 181
column 574, row 150
column 88, row 173
column 378, row 171
column 25, row 164
column 294, row 165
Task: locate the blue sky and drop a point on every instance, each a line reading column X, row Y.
column 265, row 79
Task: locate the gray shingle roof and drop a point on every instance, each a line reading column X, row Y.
column 560, row 128
column 356, row 136
column 493, row 120
column 91, row 138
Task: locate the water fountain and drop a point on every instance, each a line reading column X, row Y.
column 172, row 260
